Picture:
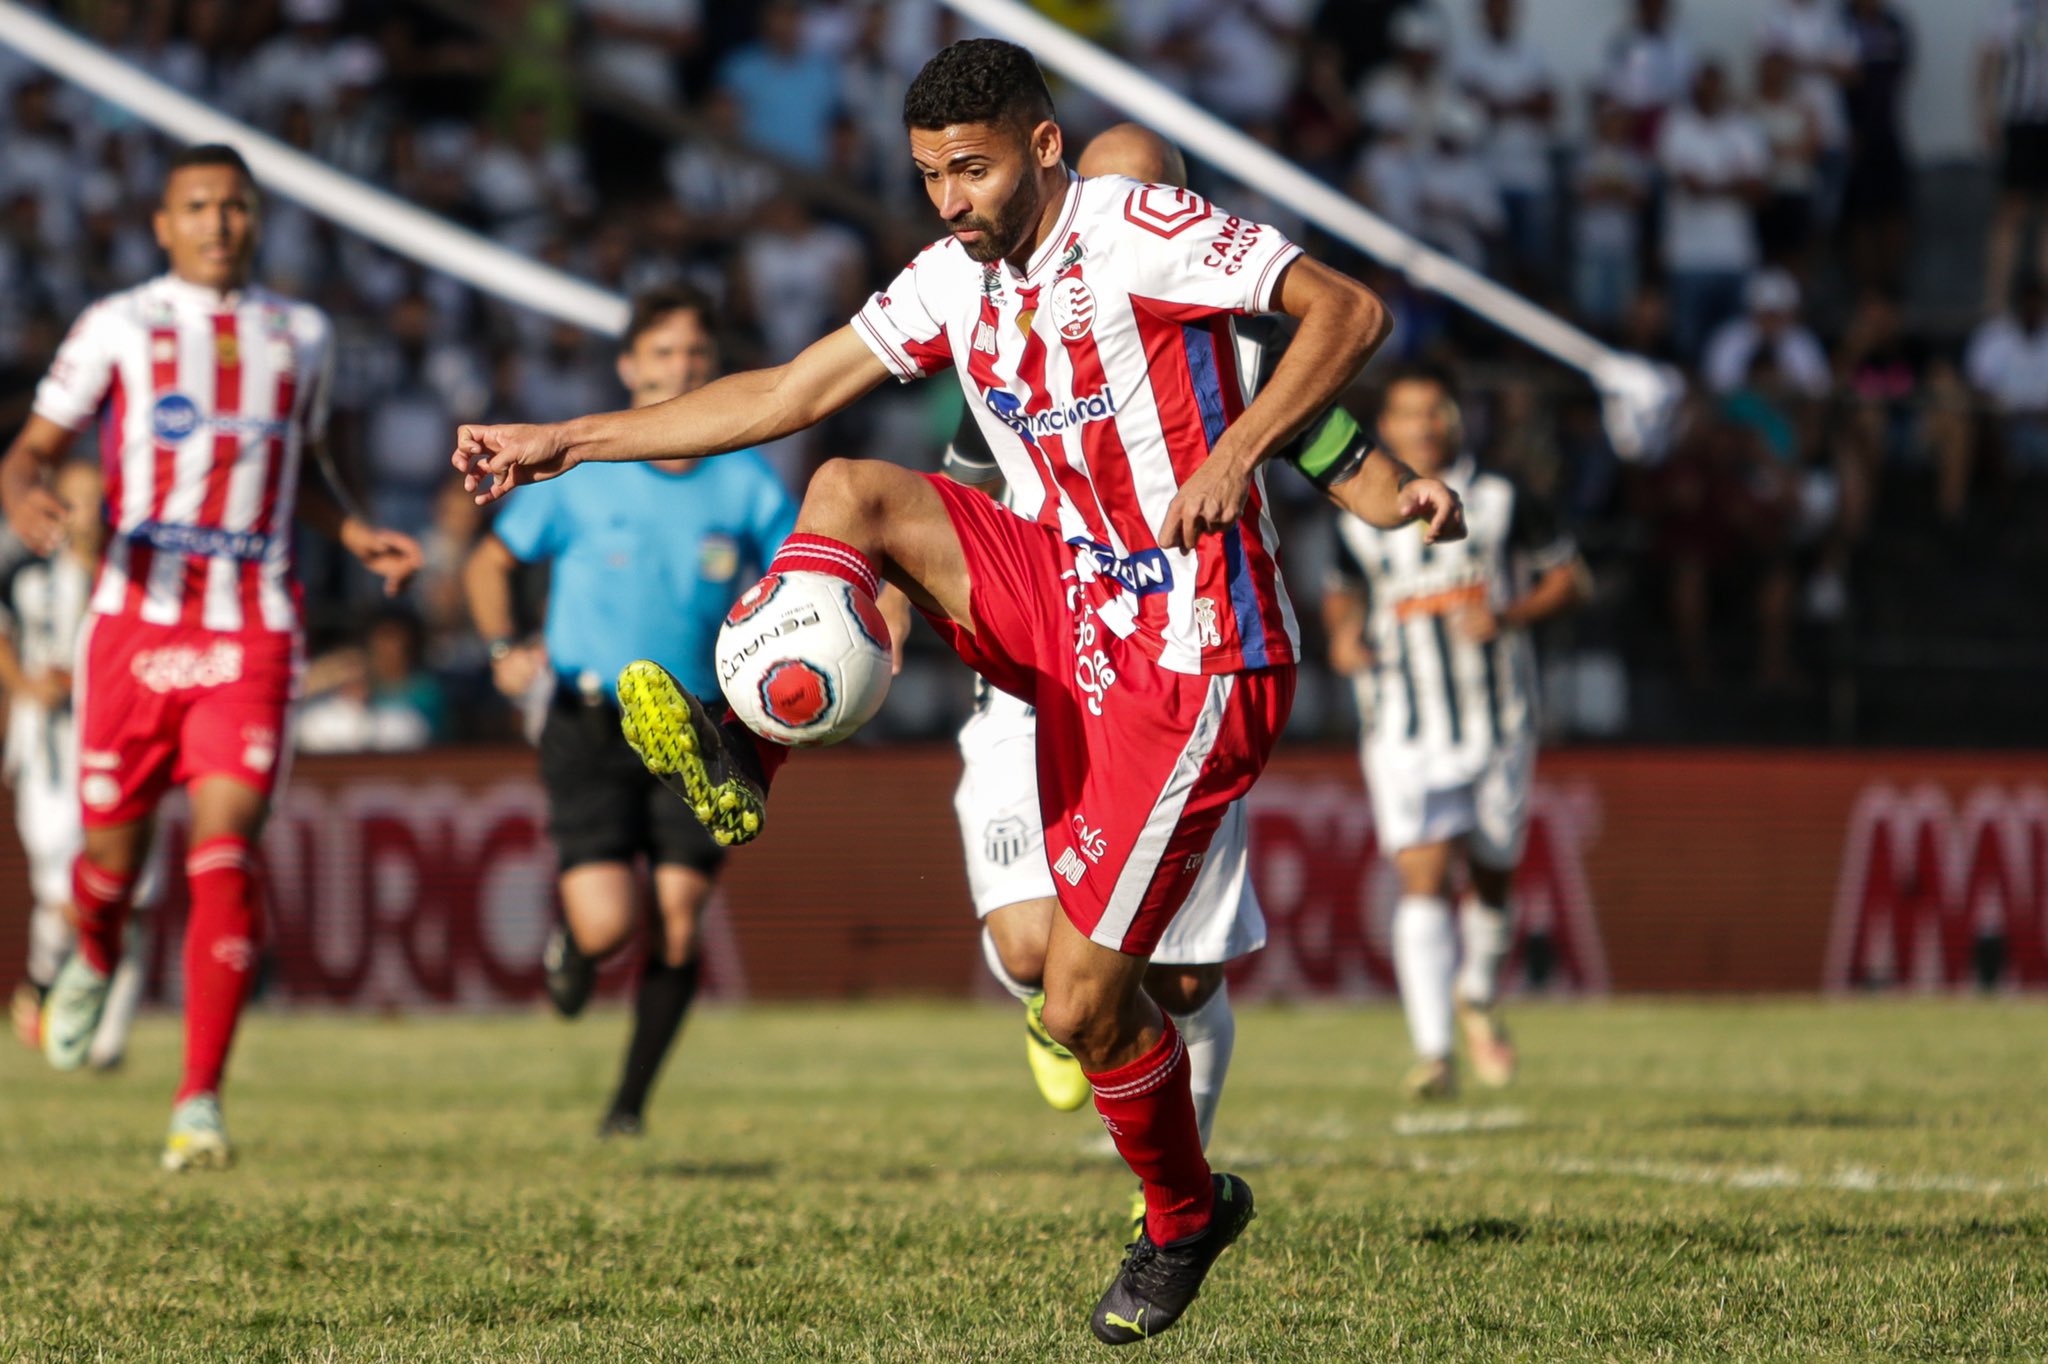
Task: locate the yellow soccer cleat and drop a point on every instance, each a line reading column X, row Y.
column 1430, row 1080
column 198, row 1138
column 682, row 745
column 1058, row 1074
column 1487, row 1044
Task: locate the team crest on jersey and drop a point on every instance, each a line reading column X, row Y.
column 174, row 417
column 718, row 558
column 1005, row 840
column 1073, row 308
column 754, row 598
column 795, row 693
column 227, row 350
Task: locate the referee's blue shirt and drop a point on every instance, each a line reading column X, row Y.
column 646, row 562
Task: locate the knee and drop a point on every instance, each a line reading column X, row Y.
column 841, row 486
column 1085, row 1022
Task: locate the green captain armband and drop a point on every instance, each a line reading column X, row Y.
column 1330, row 451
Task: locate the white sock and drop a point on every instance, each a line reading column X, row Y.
column 1425, row 959
column 994, row 959
column 1210, row 1033
column 1486, row 939
column 49, row 942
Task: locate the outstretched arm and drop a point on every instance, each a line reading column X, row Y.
column 391, row 555
column 33, row 510
column 749, row 408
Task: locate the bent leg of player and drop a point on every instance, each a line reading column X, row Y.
column 860, row 519
column 1493, row 850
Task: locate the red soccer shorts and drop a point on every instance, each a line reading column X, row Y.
column 165, row 704
column 1136, row 764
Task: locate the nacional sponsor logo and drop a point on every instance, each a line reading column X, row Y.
column 796, row 693
column 1942, row 891
column 1234, row 241
column 174, row 417
column 1005, row 840
column 183, row 667
column 1143, row 573
column 1073, row 308
column 1100, row 405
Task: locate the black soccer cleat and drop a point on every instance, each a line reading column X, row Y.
column 617, row 1124
column 1157, row 1282
column 716, row 772
column 570, row 976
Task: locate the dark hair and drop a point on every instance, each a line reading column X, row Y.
column 978, row 80
column 652, row 306
column 1418, row 372
column 209, row 154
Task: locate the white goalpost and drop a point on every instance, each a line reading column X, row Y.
column 363, row 208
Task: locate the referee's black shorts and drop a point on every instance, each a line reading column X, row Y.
column 603, row 805
column 2024, row 167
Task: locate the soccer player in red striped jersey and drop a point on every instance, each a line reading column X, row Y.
column 208, row 392
column 1141, row 611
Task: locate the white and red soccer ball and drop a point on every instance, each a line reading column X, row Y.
column 803, row 658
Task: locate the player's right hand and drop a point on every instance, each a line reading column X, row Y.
column 493, row 460
column 37, row 517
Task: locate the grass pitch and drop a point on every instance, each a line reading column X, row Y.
column 1770, row 1182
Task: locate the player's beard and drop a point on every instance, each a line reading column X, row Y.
column 1003, row 233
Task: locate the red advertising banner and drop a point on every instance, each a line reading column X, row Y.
column 427, row 879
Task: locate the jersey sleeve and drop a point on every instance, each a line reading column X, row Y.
column 79, row 378
column 1535, row 533
column 531, row 524
column 968, row 457
column 1192, row 260
column 903, row 331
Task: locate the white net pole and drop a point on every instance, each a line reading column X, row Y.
column 1638, row 394
column 362, row 208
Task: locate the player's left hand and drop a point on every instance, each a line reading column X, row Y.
column 1427, row 500
column 1211, row 500
column 391, row 555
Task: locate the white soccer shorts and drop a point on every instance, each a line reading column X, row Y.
column 1413, row 805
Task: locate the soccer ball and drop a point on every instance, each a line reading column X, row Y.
column 803, row 658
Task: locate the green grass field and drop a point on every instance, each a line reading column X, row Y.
column 1671, row 1181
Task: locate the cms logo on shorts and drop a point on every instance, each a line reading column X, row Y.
column 174, row 417
column 795, row 693
column 753, row 599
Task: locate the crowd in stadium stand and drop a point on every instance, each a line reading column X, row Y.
column 1752, row 222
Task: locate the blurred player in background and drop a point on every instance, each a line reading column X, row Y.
column 1142, row 612
column 42, row 605
column 208, row 391
column 1437, row 639
column 696, row 531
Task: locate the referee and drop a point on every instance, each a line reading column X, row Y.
column 646, row 560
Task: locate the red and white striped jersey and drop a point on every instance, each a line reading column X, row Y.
column 1102, row 375
column 205, row 403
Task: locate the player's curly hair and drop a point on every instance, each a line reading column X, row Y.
column 978, row 80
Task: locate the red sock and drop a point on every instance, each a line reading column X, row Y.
column 220, row 957
column 802, row 553
column 99, row 904
column 1150, row 1114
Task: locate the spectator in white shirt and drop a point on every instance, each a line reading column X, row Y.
column 2007, row 363
column 637, row 46
column 1400, row 100
column 526, row 184
column 1612, row 180
column 1714, row 160
column 1242, row 53
column 2012, row 93
column 1790, row 211
column 1771, row 327
column 1511, row 82
column 1649, row 68
column 1814, row 37
column 1459, row 204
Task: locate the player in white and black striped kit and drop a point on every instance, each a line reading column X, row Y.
column 2012, row 94
column 42, row 604
column 1436, row 636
